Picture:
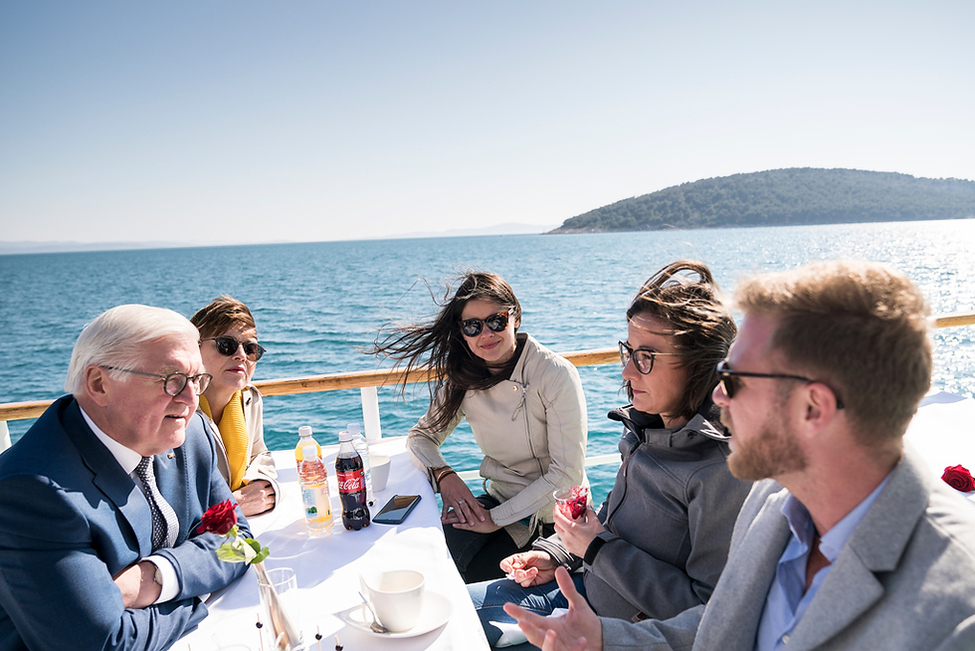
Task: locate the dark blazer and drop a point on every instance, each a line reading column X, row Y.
column 71, row 519
column 904, row 580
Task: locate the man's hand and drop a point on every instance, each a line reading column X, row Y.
column 256, row 497
column 577, row 534
column 137, row 585
column 577, row 630
column 530, row 568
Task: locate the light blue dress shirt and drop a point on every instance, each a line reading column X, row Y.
column 787, row 598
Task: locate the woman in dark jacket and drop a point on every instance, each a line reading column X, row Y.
column 659, row 542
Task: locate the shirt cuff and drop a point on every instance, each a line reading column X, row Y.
column 170, row 583
column 593, row 549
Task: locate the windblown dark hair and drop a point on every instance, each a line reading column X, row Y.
column 703, row 329
column 439, row 344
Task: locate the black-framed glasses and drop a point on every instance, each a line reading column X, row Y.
column 174, row 383
column 642, row 358
column 729, row 383
column 495, row 323
column 227, row 346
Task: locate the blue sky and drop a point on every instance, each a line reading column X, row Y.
column 224, row 122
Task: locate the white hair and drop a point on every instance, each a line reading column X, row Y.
column 117, row 338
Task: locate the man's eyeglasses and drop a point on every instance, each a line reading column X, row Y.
column 495, row 323
column 642, row 358
column 729, row 382
column 227, row 346
column 174, row 383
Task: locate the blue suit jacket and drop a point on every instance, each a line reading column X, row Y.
column 71, row 519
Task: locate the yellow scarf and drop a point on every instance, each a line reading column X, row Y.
column 233, row 431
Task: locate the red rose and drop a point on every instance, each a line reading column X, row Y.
column 219, row 518
column 959, row 478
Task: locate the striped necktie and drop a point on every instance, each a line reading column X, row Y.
column 165, row 525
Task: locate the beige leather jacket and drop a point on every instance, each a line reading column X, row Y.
column 532, row 430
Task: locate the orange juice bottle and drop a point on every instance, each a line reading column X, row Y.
column 305, row 438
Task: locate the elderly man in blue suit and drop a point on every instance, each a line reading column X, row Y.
column 847, row 541
column 100, row 499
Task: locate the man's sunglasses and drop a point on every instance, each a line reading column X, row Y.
column 642, row 358
column 227, row 346
column 729, row 382
column 495, row 323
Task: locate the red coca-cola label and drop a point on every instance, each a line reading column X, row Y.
column 351, row 482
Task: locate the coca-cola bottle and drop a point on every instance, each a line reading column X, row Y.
column 352, row 484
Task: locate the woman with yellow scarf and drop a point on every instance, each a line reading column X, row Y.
column 232, row 405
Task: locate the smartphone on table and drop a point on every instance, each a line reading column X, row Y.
column 396, row 509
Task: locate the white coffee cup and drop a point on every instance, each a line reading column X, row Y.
column 379, row 466
column 396, row 597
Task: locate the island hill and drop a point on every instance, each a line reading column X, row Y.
column 784, row 197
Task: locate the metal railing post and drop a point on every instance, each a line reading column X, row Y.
column 370, row 413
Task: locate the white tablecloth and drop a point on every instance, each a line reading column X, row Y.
column 943, row 431
column 328, row 568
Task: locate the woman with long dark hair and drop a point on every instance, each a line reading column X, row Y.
column 523, row 403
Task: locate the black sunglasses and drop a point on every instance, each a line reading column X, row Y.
column 642, row 358
column 495, row 323
column 729, row 383
column 227, row 346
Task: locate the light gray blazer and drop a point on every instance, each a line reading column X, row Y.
column 904, row 580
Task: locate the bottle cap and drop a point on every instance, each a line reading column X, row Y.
column 309, row 451
column 353, row 429
column 304, row 430
column 345, row 436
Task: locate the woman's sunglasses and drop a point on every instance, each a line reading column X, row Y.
column 495, row 323
column 227, row 346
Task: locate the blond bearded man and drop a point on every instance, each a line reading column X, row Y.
column 848, row 541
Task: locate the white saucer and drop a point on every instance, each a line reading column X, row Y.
column 436, row 611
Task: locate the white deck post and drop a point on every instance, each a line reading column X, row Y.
column 370, row 413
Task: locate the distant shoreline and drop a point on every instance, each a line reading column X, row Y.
column 587, row 231
column 31, row 247
column 28, row 248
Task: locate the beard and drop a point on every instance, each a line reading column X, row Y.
column 772, row 453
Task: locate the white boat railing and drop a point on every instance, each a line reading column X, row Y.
column 368, row 383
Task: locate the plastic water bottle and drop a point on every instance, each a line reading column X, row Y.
column 304, row 438
column 352, row 484
column 362, row 447
column 313, row 478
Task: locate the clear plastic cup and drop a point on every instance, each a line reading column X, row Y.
column 572, row 501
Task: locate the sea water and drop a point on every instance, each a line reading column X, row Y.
column 317, row 305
